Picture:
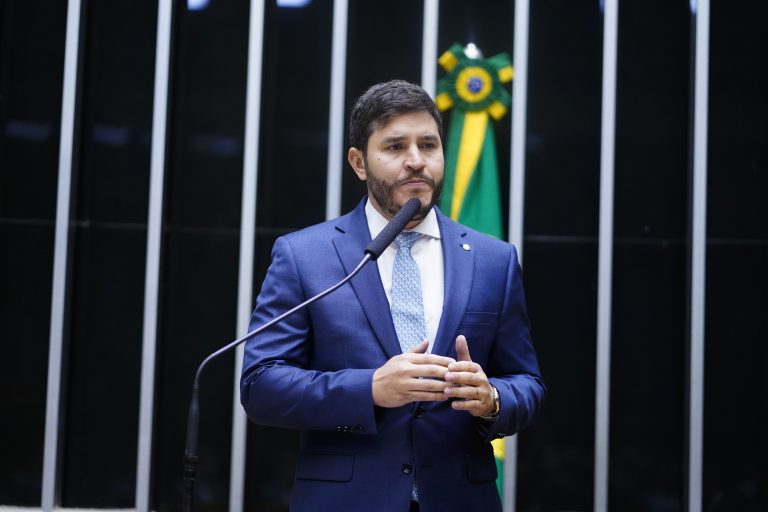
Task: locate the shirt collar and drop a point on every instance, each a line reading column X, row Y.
column 376, row 222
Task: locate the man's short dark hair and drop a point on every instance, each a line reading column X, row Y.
column 382, row 102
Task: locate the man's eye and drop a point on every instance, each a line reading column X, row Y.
column 395, row 147
column 428, row 145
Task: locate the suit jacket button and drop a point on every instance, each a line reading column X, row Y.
column 407, row 468
column 419, row 412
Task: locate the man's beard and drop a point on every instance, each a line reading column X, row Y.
column 383, row 193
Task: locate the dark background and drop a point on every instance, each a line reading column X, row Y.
column 201, row 236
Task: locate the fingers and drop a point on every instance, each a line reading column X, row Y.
column 462, row 349
column 475, row 400
column 464, row 366
column 421, row 348
column 432, row 371
column 466, row 378
column 465, row 373
column 474, row 407
column 410, row 377
column 428, row 386
column 426, row 390
column 422, row 359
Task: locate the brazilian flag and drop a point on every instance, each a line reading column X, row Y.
column 471, row 195
column 473, row 89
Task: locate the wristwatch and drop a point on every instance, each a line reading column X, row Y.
column 497, row 402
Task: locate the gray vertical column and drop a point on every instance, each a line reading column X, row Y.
column 429, row 46
column 336, row 115
column 517, row 200
column 58, row 296
column 605, row 255
column 154, row 243
column 247, row 241
column 698, row 256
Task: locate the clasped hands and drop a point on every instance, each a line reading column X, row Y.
column 416, row 376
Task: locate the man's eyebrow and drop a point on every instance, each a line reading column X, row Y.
column 393, row 138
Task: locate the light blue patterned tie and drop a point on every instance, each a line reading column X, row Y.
column 407, row 302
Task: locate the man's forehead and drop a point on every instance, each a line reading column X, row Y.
column 423, row 121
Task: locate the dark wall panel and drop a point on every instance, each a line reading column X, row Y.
column 26, row 267
column 563, row 133
column 648, row 378
column 293, row 150
column 736, row 381
column 738, row 122
column 110, row 188
column 199, row 267
column 556, row 460
column 736, row 329
column 31, row 77
column 104, row 365
column 31, row 73
column 198, row 301
column 648, row 424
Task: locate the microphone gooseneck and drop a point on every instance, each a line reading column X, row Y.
column 372, row 252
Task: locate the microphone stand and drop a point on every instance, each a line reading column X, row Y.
column 193, row 417
column 372, row 252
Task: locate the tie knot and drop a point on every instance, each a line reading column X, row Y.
column 405, row 240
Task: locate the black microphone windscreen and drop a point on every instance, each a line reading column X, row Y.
column 391, row 230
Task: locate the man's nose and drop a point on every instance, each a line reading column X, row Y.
column 414, row 159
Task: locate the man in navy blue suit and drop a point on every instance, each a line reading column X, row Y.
column 388, row 426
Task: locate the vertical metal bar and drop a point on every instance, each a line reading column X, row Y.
column 429, row 46
column 605, row 258
column 698, row 258
column 336, row 117
column 517, row 199
column 247, row 242
column 154, row 245
column 510, row 474
column 519, row 111
column 58, row 296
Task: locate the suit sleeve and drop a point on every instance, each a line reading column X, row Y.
column 512, row 366
column 277, row 385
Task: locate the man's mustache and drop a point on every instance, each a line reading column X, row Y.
column 423, row 179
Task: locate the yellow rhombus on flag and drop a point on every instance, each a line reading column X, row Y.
column 473, row 89
column 471, row 195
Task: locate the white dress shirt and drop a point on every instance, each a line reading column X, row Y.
column 428, row 254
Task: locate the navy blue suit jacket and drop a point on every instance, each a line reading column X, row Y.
column 314, row 372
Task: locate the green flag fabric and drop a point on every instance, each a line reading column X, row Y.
column 473, row 89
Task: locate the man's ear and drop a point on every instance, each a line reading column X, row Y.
column 357, row 161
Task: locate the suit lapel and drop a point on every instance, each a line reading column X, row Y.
column 350, row 244
column 459, row 259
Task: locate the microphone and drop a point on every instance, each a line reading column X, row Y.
column 372, row 252
column 379, row 244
